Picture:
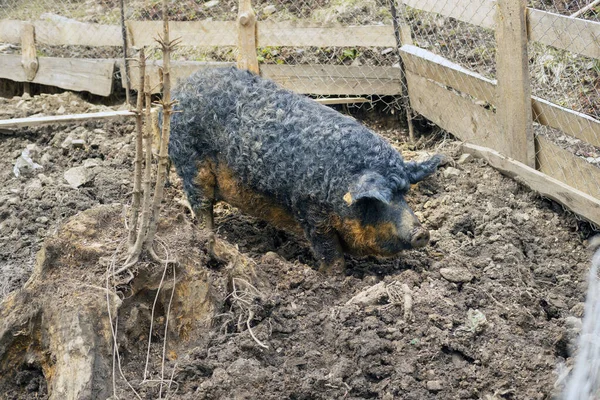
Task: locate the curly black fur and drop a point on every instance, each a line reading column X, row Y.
column 286, row 146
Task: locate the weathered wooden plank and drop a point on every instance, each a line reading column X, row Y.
column 62, row 119
column 179, row 70
column 452, row 112
column 476, row 12
column 570, row 122
column 432, row 66
column 191, row 33
column 298, row 33
column 563, row 32
column 513, row 89
column 63, row 31
column 577, row 201
column 440, row 69
column 94, row 76
column 565, row 166
column 335, row 79
column 342, row 100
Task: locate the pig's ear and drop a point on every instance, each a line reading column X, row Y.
column 416, row 172
column 370, row 185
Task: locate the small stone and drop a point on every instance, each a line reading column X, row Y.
column 26, row 96
column 61, row 110
column 46, row 180
column 78, row 143
column 46, row 158
column 387, row 51
column 78, row 176
column 268, row 10
column 211, row 4
column 42, row 220
column 434, row 386
column 451, row 171
column 456, row 274
column 91, row 162
column 465, row 158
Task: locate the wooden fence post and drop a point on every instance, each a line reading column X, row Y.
column 29, row 59
column 247, row 37
column 514, row 89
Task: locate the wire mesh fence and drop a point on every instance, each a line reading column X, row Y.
column 349, row 48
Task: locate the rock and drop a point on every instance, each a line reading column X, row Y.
column 387, row 51
column 78, row 143
column 451, row 171
column 434, row 386
column 78, row 176
column 465, row 158
column 26, row 96
column 91, row 162
column 211, row 4
column 67, row 142
column 268, row 10
column 42, row 220
column 46, row 159
column 46, row 180
column 456, row 274
column 61, row 110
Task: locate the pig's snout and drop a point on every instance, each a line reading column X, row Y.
column 419, row 238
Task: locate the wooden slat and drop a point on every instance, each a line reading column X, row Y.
column 570, row 122
column 296, row 33
column 476, row 12
column 440, row 69
column 452, row 112
column 63, row 32
column 62, row 119
column 94, row 76
column 513, row 89
column 577, row 201
column 572, row 34
column 342, row 100
column 429, row 65
column 191, row 33
column 335, row 79
column 565, row 166
column 179, row 70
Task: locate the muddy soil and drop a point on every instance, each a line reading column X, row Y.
column 496, row 297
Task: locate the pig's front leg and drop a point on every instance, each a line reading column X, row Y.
column 327, row 250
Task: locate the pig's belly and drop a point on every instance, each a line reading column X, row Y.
column 226, row 186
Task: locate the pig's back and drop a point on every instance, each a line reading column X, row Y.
column 279, row 143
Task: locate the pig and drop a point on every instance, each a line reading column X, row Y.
column 300, row 165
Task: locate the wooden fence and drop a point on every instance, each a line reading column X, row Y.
column 438, row 89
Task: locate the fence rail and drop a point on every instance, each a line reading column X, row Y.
column 462, row 71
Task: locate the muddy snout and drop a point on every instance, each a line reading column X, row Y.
column 419, row 237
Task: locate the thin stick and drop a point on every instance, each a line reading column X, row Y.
column 585, row 9
column 167, row 106
column 162, row 371
column 137, row 175
column 135, row 252
column 125, row 58
column 250, row 316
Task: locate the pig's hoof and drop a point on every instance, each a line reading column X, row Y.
column 336, row 267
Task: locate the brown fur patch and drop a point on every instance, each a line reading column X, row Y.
column 364, row 239
column 217, row 179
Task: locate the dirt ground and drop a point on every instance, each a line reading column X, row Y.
column 496, row 297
